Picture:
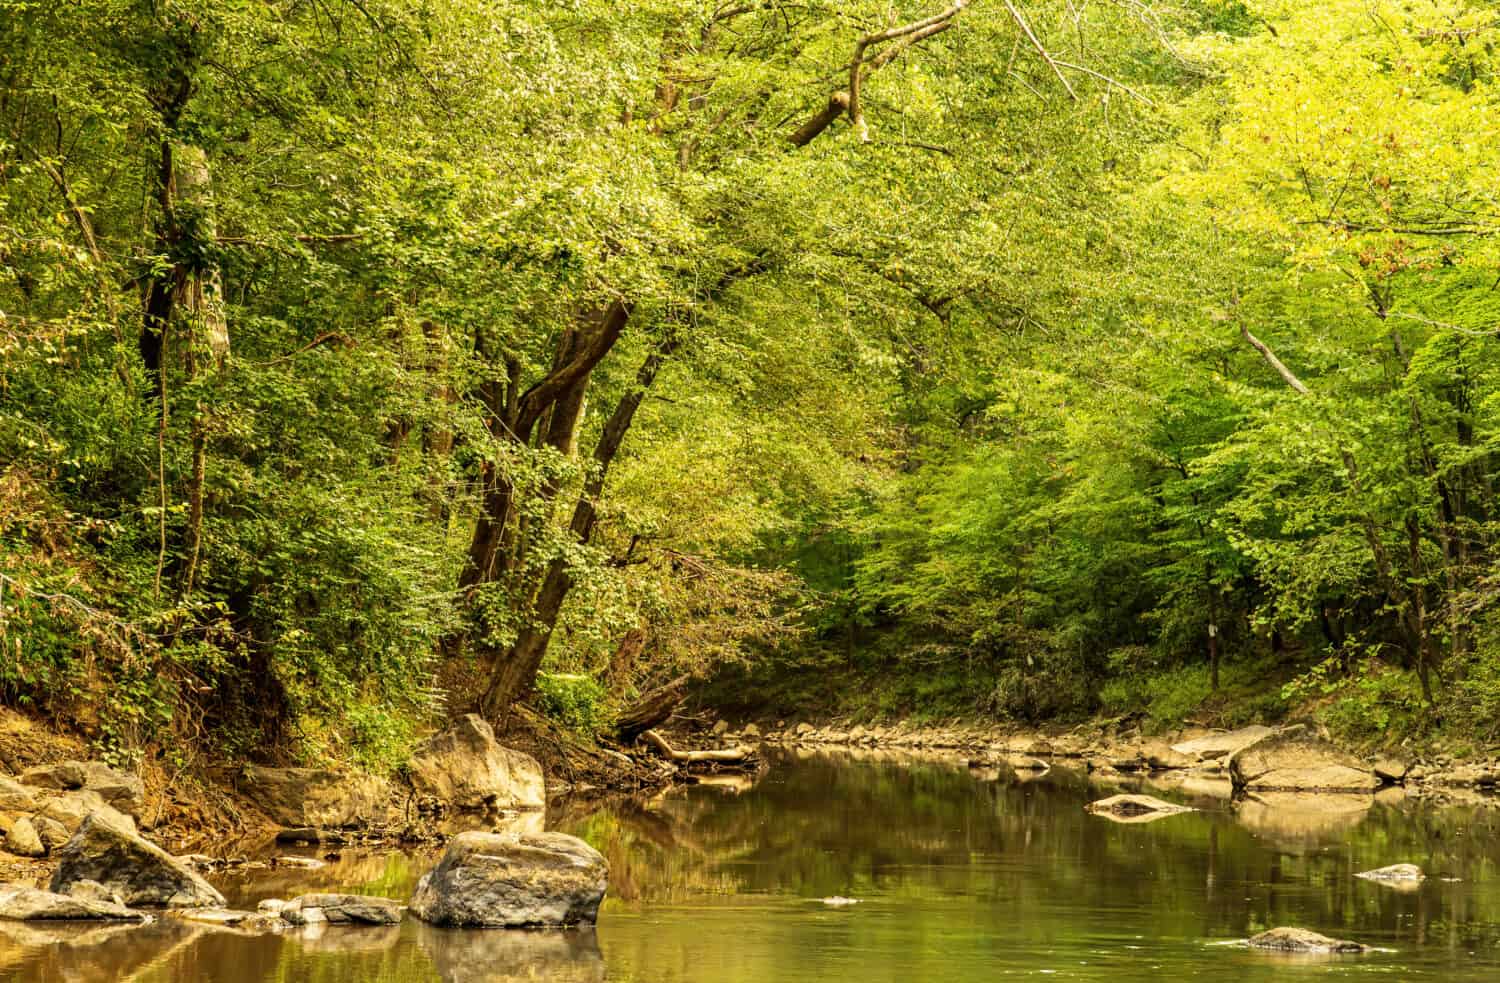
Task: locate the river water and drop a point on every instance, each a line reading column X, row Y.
column 960, row 876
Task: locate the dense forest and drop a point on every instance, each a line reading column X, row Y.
column 367, row 361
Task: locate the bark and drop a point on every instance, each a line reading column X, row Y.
column 650, row 710
column 515, row 672
column 622, row 663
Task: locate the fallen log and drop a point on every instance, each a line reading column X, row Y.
column 735, row 755
column 651, row 709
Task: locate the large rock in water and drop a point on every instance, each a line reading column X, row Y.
column 1301, row 940
column 1221, row 744
column 138, row 872
column 1291, row 760
column 537, row 879
column 341, row 909
column 315, row 798
column 464, row 767
column 19, row 903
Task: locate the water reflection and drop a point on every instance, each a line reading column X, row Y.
column 962, row 875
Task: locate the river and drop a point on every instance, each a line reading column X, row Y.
column 959, row 876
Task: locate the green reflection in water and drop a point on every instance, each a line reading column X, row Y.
column 960, row 877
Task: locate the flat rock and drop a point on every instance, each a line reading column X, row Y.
column 341, row 909
column 1222, row 744
column 140, row 872
column 1136, row 808
column 314, row 797
column 488, row 879
column 19, row 903
column 230, row 918
column 1301, row 940
column 1391, row 770
column 61, row 775
column 464, row 767
column 1291, row 760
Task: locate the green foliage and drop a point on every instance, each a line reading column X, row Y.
column 577, row 702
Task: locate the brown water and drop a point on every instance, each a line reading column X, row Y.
column 960, row 878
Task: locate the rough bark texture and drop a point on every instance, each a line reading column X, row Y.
column 651, row 709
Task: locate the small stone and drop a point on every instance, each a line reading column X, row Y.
column 23, row 839
column 271, row 906
column 1135, row 808
column 720, row 728
column 301, row 863
column 751, row 730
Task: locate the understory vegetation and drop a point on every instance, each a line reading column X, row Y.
column 364, row 363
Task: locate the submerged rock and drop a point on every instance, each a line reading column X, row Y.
column 1395, row 873
column 464, row 767
column 140, row 872
column 18, row 903
column 341, row 909
column 487, row 879
column 1301, row 940
column 1136, row 808
column 1291, row 760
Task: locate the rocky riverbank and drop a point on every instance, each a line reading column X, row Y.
column 1298, row 758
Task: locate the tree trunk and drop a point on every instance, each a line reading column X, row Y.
column 650, row 710
column 514, row 673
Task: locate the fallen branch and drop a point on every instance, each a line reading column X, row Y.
column 734, row 755
column 651, row 709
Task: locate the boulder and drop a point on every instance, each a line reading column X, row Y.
column 124, row 792
column 1135, row 808
column 140, row 872
column 341, row 909
column 464, row 767
column 18, row 903
column 14, row 796
column 803, row 730
column 1395, row 873
column 721, row 727
column 70, row 809
column 1222, row 744
column 314, row 797
column 1301, row 940
column 1391, row 770
column 23, row 839
column 487, row 879
column 1160, row 757
column 1291, row 760
column 62, row 775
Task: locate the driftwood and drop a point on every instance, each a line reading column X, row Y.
column 651, row 709
column 727, row 756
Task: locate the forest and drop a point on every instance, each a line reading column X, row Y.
column 368, row 362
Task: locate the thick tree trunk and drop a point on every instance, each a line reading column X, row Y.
column 650, row 710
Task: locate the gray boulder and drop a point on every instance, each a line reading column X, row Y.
column 23, row 839
column 465, row 768
column 19, row 903
column 316, row 798
column 1301, row 940
column 140, row 872
column 536, row 879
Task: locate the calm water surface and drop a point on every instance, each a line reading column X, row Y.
column 961, row 876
